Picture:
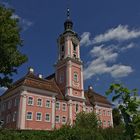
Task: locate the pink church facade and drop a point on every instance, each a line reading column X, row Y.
column 38, row 103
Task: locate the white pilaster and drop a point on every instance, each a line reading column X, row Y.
column 84, row 106
column 111, row 118
column 53, row 112
column 22, row 111
column 78, row 49
column 70, row 112
column 82, row 81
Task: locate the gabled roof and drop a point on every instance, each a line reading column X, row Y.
column 93, row 98
column 31, row 80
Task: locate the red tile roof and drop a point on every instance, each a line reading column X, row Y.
column 93, row 98
column 34, row 81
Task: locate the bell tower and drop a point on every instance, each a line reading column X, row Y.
column 69, row 67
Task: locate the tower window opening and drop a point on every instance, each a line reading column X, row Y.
column 77, row 107
column 75, row 77
column 74, row 46
column 62, row 56
column 62, row 49
column 74, row 55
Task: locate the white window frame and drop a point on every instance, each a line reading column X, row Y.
column 65, row 120
column 109, row 123
column 104, row 112
column 36, row 116
column 109, row 113
column 14, row 116
column 49, row 117
column 32, row 100
column 39, row 102
column 91, row 109
column 75, row 78
column 49, row 103
column 100, row 112
column 27, row 115
column 58, row 119
column 64, row 109
column 104, row 123
column 56, row 105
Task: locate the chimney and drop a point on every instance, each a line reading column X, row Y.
column 40, row 76
column 31, row 70
column 90, row 88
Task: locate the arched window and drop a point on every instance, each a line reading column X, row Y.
column 75, row 77
column 62, row 48
column 77, row 107
column 74, row 46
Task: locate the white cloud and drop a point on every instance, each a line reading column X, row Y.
column 120, row 33
column 103, row 57
column 129, row 46
column 24, row 22
column 85, row 39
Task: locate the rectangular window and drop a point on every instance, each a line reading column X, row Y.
column 91, row 109
column 14, row 116
column 61, row 77
column 109, row 124
column 100, row 123
column 104, row 112
column 64, row 120
column 29, row 116
column 38, row 116
column 77, row 108
column 16, row 102
column 57, row 106
column 64, row 107
column 57, row 119
column 48, row 104
column 4, row 107
column 62, row 48
column 104, row 123
column 100, row 112
column 30, row 100
column 108, row 113
column 39, row 102
column 47, row 117
column 9, row 104
column 75, row 77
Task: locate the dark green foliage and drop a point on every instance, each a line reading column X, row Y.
column 117, row 118
column 65, row 133
column 10, row 42
column 86, row 120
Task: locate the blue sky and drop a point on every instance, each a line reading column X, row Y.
column 110, row 38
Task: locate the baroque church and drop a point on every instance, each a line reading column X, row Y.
column 38, row 103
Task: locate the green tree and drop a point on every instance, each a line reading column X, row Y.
column 117, row 118
column 10, row 42
column 86, row 120
column 128, row 108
